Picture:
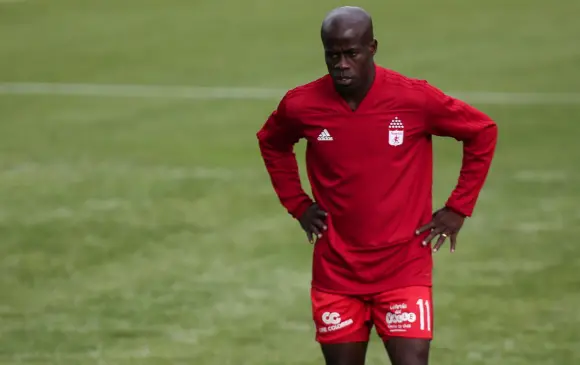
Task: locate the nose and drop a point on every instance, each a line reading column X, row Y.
column 342, row 63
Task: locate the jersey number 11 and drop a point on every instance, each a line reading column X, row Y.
column 424, row 314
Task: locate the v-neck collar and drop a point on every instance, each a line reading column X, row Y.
column 375, row 86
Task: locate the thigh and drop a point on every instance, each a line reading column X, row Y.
column 340, row 319
column 404, row 320
column 408, row 351
column 405, row 312
column 348, row 353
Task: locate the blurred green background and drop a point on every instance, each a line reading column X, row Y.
column 144, row 230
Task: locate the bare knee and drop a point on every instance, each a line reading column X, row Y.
column 408, row 351
column 352, row 353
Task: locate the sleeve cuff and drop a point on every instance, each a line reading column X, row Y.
column 457, row 209
column 297, row 212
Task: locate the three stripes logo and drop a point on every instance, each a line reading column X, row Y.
column 325, row 136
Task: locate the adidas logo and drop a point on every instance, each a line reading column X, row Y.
column 325, row 136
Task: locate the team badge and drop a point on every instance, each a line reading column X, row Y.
column 396, row 132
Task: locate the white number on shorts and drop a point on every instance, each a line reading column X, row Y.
column 424, row 310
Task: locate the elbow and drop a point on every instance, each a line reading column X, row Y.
column 488, row 132
column 264, row 143
column 484, row 141
column 493, row 132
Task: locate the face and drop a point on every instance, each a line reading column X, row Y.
column 349, row 59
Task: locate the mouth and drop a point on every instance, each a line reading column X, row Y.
column 342, row 80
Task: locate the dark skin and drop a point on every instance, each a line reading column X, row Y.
column 445, row 223
column 349, row 48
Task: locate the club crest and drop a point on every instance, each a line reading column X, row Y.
column 396, row 132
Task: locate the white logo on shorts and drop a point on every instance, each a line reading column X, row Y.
column 404, row 317
column 331, row 318
column 398, row 319
column 333, row 322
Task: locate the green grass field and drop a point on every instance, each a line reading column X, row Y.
column 144, row 230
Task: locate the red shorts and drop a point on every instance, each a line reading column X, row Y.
column 405, row 312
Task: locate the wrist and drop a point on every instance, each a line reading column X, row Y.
column 301, row 209
column 455, row 210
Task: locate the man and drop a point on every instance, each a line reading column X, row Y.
column 369, row 160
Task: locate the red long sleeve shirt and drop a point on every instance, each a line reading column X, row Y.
column 371, row 171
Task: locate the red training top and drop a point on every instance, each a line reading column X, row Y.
column 371, row 171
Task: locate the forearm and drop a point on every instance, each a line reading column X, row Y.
column 283, row 170
column 478, row 153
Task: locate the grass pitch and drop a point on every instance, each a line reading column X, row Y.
column 145, row 230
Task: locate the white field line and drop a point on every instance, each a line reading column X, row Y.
column 139, row 91
column 248, row 93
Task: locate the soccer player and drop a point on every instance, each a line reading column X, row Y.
column 369, row 161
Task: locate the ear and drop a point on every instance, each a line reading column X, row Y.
column 374, row 46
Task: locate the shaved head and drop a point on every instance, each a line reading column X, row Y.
column 349, row 48
column 348, row 19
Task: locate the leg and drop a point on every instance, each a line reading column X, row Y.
column 408, row 351
column 348, row 353
column 404, row 320
column 342, row 327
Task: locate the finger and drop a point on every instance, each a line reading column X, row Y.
column 431, row 236
column 316, row 231
column 453, row 240
column 319, row 224
column 425, row 228
column 310, row 237
column 442, row 237
column 321, row 214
